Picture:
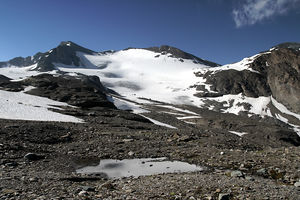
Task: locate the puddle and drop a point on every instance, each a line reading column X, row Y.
column 138, row 167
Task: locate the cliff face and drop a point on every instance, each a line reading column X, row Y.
column 282, row 71
column 275, row 73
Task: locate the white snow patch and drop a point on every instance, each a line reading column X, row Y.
column 177, row 109
column 158, row 123
column 126, row 105
column 281, row 118
column 189, row 117
column 283, row 109
column 235, row 103
column 17, row 73
column 296, row 129
column 20, row 73
column 239, row 66
column 21, row 106
column 28, row 88
column 193, row 123
column 238, row 133
column 272, row 49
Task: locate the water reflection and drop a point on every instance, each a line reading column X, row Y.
column 138, row 167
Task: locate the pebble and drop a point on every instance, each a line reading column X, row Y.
column 249, row 178
column 107, row 185
column 262, row 171
column 223, row 196
column 82, row 193
column 88, row 188
column 33, row 157
column 297, row 184
column 236, row 173
column 33, row 179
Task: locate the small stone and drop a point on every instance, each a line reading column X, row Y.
column 11, row 164
column 92, row 114
column 33, row 157
column 130, row 153
column 236, row 173
column 218, row 190
column 128, row 191
column 222, row 153
column 127, row 140
column 87, row 188
column 108, row 185
column 249, row 178
column 262, row 171
column 82, row 193
column 223, row 196
column 297, row 184
column 33, row 179
column 184, row 138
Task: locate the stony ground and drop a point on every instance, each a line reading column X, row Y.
column 250, row 167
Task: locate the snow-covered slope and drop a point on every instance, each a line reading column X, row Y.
column 138, row 73
column 21, row 106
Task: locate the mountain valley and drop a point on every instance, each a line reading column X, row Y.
column 72, row 107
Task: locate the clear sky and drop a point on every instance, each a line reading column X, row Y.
column 223, row 31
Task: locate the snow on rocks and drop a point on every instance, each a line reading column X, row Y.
column 136, row 73
column 21, row 106
column 238, row 133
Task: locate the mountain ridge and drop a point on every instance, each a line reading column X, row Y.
column 44, row 60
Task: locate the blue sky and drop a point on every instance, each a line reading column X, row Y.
column 223, row 31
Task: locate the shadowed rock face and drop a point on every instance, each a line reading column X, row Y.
column 235, row 82
column 65, row 53
column 4, row 79
column 82, row 91
column 177, row 53
column 282, row 71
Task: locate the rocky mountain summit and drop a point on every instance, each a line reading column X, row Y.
column 71, row 108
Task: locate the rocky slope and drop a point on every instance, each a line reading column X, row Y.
column 239, row 122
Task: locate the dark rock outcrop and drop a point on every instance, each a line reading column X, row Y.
column 65, row 53
column 83, row 91
column 177, row 53
column 282, row 70
column 4, row 79
column 234, row 82
column 277, row 74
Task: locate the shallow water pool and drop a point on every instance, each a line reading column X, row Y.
column 138, row 167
